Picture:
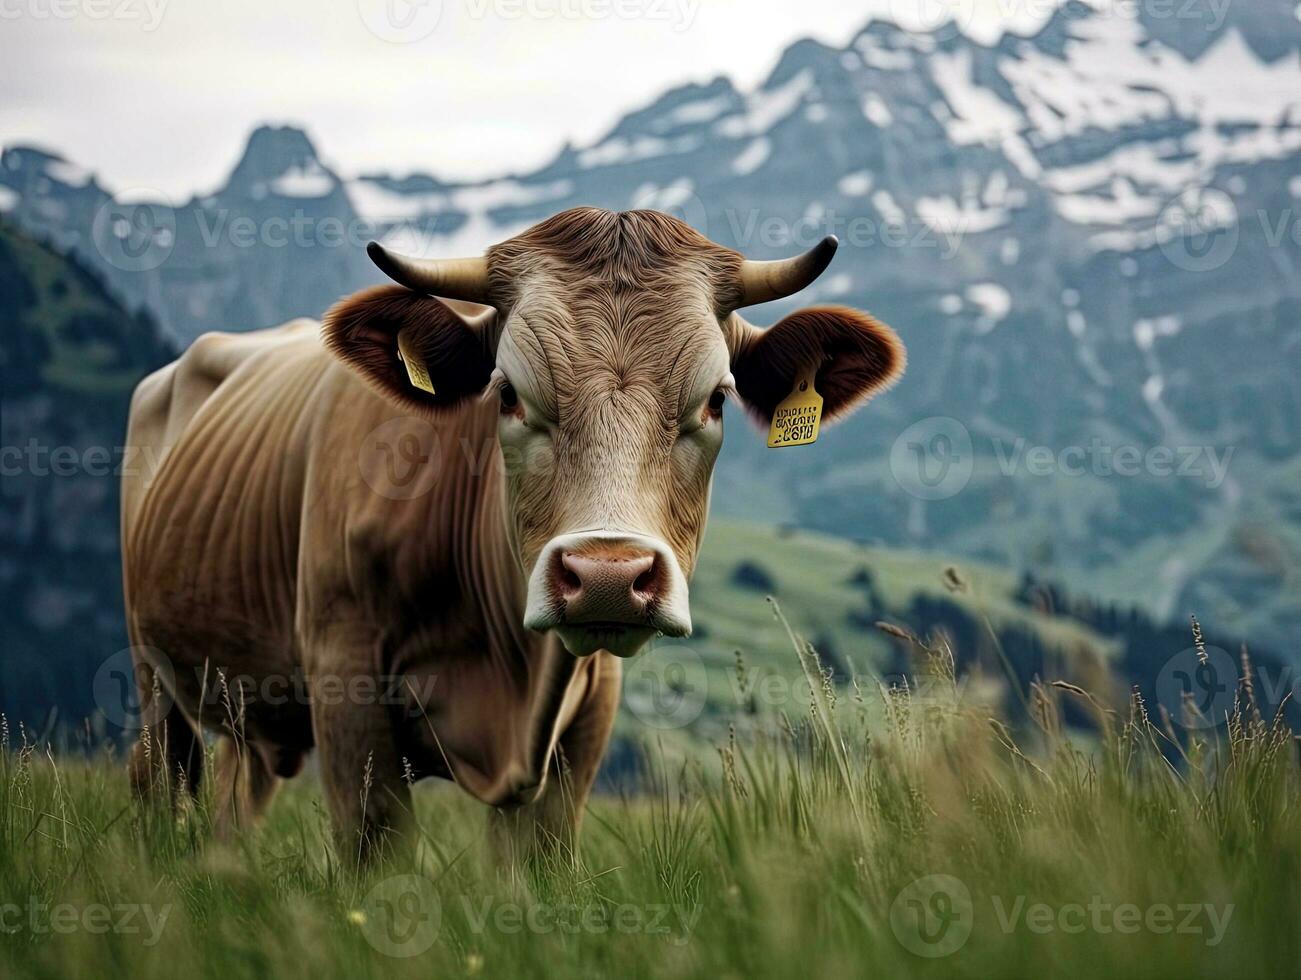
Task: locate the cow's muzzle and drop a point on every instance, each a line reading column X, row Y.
column 607, row 591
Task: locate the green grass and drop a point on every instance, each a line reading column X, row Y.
column 807, row 852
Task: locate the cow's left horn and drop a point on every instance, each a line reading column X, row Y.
column 465, row 279
column 762, row 282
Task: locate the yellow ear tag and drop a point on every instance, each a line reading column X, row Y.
column 415, row 364
column 796, row 420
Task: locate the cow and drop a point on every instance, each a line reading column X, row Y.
column 562, row 399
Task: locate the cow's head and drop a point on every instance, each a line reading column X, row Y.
column 609, row 343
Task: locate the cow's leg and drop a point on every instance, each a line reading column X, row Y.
column 243, row 787
column 168, row 754
column 548, row 828
column 361, row 769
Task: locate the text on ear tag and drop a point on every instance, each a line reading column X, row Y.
column 415, row 364
column 795, row 421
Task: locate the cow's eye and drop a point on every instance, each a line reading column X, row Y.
column 716, row 402
column 509, row 400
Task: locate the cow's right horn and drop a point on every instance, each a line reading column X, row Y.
column 762, row 282
column 464, row 279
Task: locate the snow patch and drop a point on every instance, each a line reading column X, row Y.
column 996, row 193
column 876, row 111
column 978, row 115
column 837, row 285
column 698, row 111
column 767, row 108
column 1152, row 389
column 857, row 184
column 1018, row 151
column 1146, row 164
column 1122, row 206
column 1207, row 208
column 1147, row 331
column 752, row 157
column 946, row 216
column 509, row 193
column 480, row 230
column 1097, row 372
column 880, row 58
column 1214, row 148
column 8, row 198
column 994, row 301
column 299, row 181
column 68, row 173
column 622, row 150
column 666, row 198
column 885, row 205
column 379, row 204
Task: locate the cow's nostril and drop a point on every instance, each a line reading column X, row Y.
column 567, row 577
column 647, row 582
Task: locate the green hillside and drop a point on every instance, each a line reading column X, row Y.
column 63, row 332
column 684, row 695
column 69, row 358
column 820, row 583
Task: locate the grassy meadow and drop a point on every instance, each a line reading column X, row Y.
column 873, row 832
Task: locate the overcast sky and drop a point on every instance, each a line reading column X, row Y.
column 161, row 94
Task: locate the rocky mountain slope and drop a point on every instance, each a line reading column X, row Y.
column 69, row 359
column 1088, row 239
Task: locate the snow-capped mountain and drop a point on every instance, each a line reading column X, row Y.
column 1088, row 238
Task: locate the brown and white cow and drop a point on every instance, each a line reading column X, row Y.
column 472, row 631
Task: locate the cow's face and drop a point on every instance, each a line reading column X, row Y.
column 609, row 345
column 611, row 404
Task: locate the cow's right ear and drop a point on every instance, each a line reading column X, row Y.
column 362, row 331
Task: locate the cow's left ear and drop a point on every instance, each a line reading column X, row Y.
column 855, row 357
column 454, row 348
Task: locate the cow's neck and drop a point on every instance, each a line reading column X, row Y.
column 530, row 674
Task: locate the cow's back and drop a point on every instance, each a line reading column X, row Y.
column 165, row 402
column 213, row 486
